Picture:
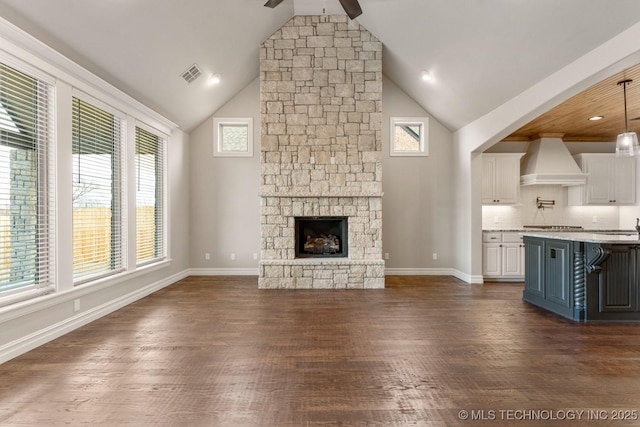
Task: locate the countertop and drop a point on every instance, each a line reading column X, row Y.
column 591, row 236
column 537, row 230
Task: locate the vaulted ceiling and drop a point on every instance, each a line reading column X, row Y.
column 480, row 52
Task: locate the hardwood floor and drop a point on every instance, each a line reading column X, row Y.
column 216, row 351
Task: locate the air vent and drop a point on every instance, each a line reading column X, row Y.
column 192, row 73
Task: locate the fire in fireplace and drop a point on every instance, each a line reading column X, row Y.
column 321, row 237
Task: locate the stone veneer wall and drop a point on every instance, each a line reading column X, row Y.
column 321, row 149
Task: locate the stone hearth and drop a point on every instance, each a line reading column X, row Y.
column 321, row 107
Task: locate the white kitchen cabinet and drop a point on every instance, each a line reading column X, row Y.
column 492, row 259
column 501, row 178
column 502, row 256
column 610, row 180
column 512, row 255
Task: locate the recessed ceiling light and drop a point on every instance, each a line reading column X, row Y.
column 214, row 79
column 427, row 76
column 596, row 118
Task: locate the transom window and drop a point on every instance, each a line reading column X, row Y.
column 233, row 137
column 409, row 136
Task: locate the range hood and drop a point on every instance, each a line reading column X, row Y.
column 548, row 161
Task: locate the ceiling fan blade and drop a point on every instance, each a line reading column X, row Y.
column 352, row 7
column 273, row 3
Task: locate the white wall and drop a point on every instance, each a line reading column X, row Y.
column 418, row 201
column 225, row 207
column 178, row 183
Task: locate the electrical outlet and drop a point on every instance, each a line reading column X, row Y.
column 496, row 220
column 76, row 305
column 333, row 160
column 435, row 255
column 594, row 219
column 255, row 255
column 233, row 256
column 386, row 255
column 207, row 256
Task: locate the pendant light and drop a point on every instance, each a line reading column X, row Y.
column 627, row 142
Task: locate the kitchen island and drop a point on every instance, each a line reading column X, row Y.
column 584, row 276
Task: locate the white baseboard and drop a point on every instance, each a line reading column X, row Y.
column 223, row 272
column 471, row 279
column 43, row 336
column 418, row 272
column 433, row 272
column 388, row 272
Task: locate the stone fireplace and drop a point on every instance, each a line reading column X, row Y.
column 321, row 154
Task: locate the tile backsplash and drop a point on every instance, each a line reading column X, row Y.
column 527, row 213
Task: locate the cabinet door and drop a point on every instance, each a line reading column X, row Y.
column 507, row 179
column 492, row 259
column 623, row 181
column 488, row 178
column 534, row 265
column 558, row 272
column 617, row 285
column 511, row 259
column 598, row 181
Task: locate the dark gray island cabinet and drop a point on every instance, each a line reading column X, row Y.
column 584, row 276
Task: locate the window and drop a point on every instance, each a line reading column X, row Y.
column 150, row 241
column 233, row 137
column 26, row 198
column 409, row 136
column 97, row 191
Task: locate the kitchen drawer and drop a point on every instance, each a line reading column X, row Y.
column 512, row 237
column 491, row 237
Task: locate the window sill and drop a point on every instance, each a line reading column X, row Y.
column 11, row 300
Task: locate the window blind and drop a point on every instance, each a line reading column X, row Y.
column 150, row 242
column 97, row 192
column 26, row 201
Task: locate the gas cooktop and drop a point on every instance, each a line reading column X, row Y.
column 554, row 227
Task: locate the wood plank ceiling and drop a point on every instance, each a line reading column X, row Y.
column 571, row 118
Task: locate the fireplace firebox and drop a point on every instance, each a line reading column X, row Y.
column 321, row 237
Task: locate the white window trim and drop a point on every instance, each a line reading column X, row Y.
column 25, row 67
column 46, row 183
column 89, row 99
column 424, row 136
column 217, row 147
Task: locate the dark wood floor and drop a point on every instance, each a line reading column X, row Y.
column 216, row 351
